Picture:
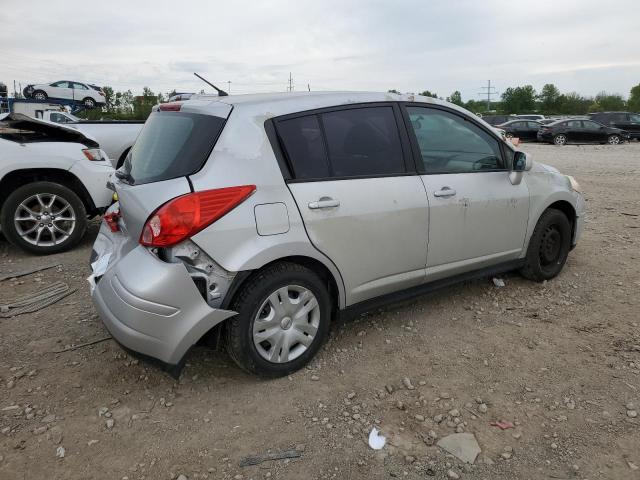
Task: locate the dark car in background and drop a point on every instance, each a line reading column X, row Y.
column 581, row 131
column 627, row 121
column 522, row 129
column 496, row 120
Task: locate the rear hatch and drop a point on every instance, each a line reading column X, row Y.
column 171, row 146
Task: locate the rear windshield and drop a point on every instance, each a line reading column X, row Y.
column 171, row 145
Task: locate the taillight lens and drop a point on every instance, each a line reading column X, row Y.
column 184, row 216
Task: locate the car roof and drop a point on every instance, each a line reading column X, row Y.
column 275, row 104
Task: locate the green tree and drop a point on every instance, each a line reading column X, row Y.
column 574, row 104
column 456, row 98
column 427, row 93
column 606, row 102
column 634, row 99
column 519, row 99
column 549, row 99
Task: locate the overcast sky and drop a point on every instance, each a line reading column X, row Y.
column 442, row 46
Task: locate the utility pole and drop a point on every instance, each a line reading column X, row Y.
column 290, row 87
column 229, row 88
column 490, row 91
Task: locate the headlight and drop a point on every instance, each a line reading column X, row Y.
column 94, row 154
column 573, row 184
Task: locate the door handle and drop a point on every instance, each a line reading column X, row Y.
column 445, row 192
column 324, row 202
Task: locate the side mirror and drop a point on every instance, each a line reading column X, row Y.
column 522, row 162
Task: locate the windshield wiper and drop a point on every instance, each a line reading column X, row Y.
column 126, row 176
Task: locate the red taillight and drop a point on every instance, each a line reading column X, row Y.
column 184, row 216
column 111, row 219
column 170, row 107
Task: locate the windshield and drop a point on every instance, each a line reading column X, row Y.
column 171, row 145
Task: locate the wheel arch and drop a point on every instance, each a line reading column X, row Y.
column 311, row 263
column 17, row 178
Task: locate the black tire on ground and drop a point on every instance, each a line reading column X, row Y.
column 39, row 95
column 89, row 102
column 23, row 193
column 549, row 246
column 560, row 140
column 613, row 140
column 239, row 329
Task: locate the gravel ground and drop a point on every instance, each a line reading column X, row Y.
column 560, row 361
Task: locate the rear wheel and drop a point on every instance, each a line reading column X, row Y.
column 283, row 319
column 560, row 139
column 548, row 247
column 89, row 102
column 39, row 95
column 613, row 140
column 43, row 218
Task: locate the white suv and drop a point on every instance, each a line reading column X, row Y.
column 87, row 94
column 260, row 218
column 52, row 178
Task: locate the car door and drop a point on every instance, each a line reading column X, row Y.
column 61, row 90
column 573, row 131
column 477, row 216
column 80, row 91
column 362, row 204
column 532, row 130
column 593, row 132
column 634, row 125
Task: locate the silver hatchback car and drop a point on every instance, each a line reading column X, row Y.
column 258, row 219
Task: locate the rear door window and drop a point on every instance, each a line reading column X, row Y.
column 343, row 143
column 363, row 141
column 171, row 145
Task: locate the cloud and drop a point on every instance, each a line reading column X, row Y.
column 410, row 45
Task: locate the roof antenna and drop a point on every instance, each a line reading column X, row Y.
column 221, row 93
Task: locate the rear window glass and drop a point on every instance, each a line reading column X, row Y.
column 171, row 145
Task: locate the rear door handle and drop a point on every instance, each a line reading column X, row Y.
column 324, row 202
column 445, row 192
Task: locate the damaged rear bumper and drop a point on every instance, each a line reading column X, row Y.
column 152, row 307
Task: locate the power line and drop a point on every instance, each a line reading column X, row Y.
column 490, row 91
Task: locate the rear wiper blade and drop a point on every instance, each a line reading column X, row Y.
column 125, row 176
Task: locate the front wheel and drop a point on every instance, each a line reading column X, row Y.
column 39, row 95
column 43, row 218
column 613, row 140
column 283, row 319
column 560, row 139
column 548, row 247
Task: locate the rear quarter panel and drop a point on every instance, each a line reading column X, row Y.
column 244, row 156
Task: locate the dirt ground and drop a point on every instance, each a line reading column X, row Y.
column 560, row 360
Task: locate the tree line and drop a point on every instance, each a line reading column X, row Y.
column 549, row 101
column 125, row 105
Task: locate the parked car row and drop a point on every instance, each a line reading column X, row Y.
column 262, row 226
column 565, row 131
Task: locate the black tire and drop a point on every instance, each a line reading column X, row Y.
column 560, row 140
column 614, row 140
column 238, row 331
column 39, row 95
column 22, row 194
column 549, row 246
column 89, row 102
